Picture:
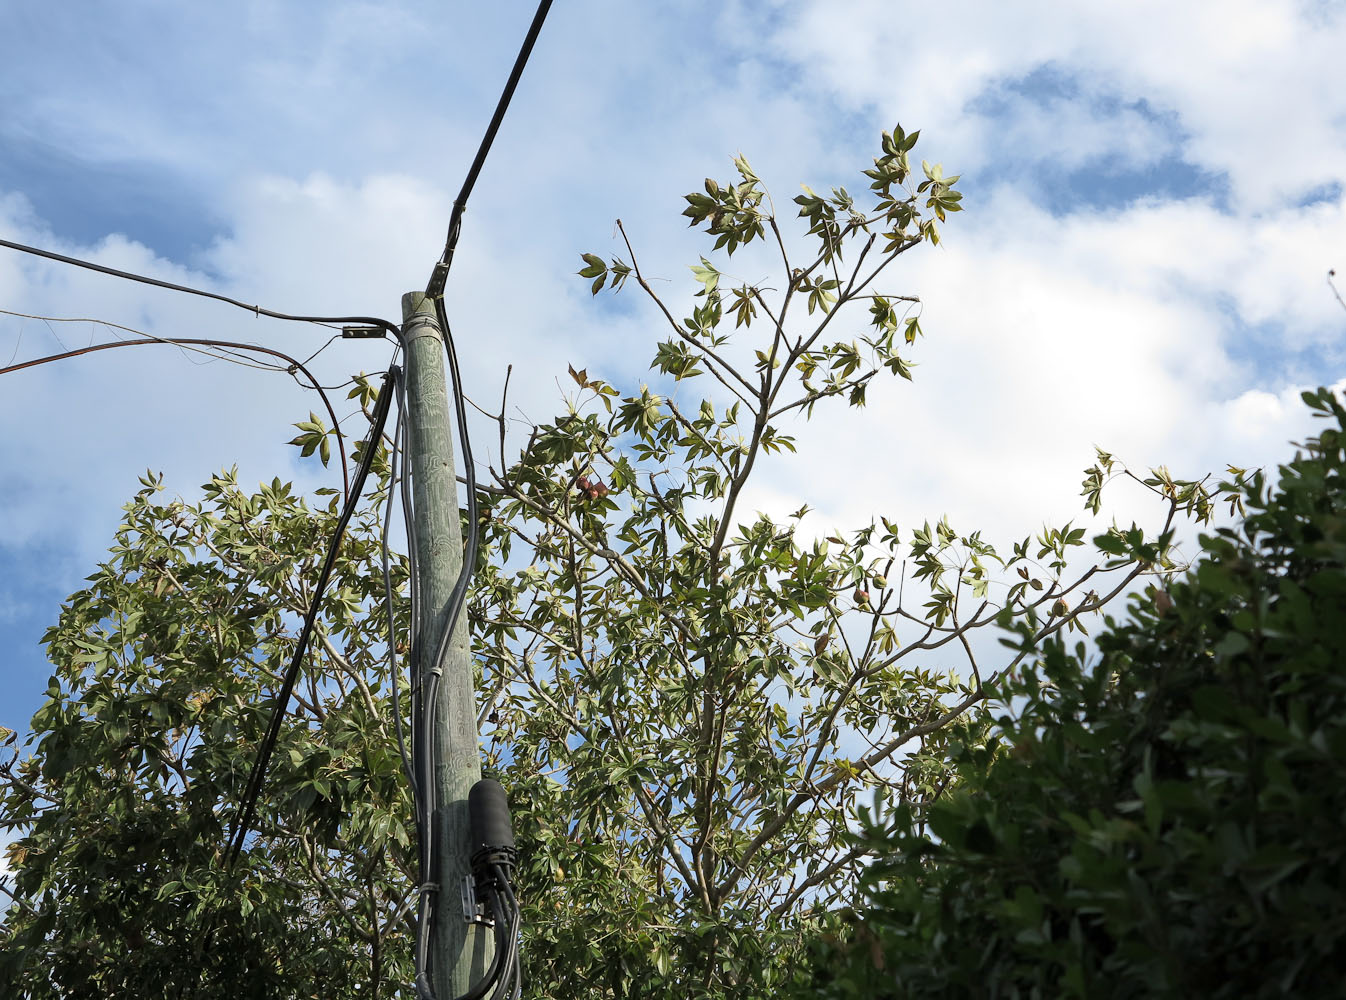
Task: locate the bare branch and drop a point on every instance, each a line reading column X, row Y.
column 818, row 878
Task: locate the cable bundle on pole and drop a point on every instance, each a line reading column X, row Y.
column 493, row 845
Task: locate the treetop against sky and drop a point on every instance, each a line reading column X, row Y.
column 1153, row 197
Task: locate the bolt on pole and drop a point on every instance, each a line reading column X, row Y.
column 460, row 951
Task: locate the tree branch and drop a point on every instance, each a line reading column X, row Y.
column 683, row 335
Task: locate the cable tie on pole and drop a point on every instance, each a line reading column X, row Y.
column 420, row 326
column 425, row 887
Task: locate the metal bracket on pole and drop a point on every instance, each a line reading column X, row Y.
column 473, row 912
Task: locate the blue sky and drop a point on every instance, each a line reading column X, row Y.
column 1154, row 197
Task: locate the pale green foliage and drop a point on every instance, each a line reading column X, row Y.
column 689, row 699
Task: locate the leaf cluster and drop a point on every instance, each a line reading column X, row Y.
column 163, row 667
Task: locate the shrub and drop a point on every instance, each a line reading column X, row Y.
column 1162, row 818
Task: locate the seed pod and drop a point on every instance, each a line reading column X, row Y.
column 1163, row 603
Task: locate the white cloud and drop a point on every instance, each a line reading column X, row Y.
column 1140, row 328
column 1256, row 85
column 1047, row 336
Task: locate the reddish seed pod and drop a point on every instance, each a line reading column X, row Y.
column 1163, row 603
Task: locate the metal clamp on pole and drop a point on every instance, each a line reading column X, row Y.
column 473, row 910
column 421, row 325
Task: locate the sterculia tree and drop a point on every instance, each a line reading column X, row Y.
column 686, row 699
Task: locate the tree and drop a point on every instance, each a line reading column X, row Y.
column 690, row 701
column 687, row 702
column 1162, row 819
column 163, row 669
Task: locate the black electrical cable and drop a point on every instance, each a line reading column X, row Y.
column 399, row 430
column 243, row 818
column 408, row 518
column 459, row 593
column 422, row 744
column 422, row 781
column 190, row 343
column 509, row 984
column 382, row 324
column 435, row 287
column 413, row 646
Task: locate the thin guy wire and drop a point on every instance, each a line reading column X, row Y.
column 219, row 356
column 188, row 342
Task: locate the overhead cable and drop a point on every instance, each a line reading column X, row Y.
column 458, row 595
column 189, row 342
column 382, row 324
column 435, row 288
column 244, row 817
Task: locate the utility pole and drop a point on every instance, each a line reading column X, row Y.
column 460, row 951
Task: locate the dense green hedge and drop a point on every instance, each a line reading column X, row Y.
column 1166, row 817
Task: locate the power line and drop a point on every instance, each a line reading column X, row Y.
column 244, row 817
column 382, row 324
column 435, row 288
column 192, row 343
